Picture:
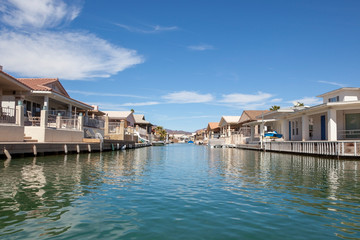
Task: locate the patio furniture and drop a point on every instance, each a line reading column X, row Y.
column 34, row 120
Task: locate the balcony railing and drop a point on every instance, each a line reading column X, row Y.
column 69, row 123
column 94, row 122
column 7, row 115
column 339, row 148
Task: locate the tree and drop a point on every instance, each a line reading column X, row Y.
column 132, row 110
column 161, row 132
column 274, row 108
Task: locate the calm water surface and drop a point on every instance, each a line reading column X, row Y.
column 179, row 192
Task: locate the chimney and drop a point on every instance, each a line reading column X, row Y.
column 1, row 68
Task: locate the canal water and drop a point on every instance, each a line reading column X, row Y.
column 179, row 191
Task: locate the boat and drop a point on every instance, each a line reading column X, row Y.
column 273, row 134
column 158, row 143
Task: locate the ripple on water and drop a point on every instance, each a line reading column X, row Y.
column 180, row 192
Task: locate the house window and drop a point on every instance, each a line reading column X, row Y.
column 297, row 128
column 334, row 99
column 293, row 128
column 352, row 125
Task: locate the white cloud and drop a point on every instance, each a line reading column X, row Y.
column 242, row 99
column 275, row 100
column 308, row 101
column 43, row 53
column 86, row 93
column 37, row 13
column 201, row 47
column 147, row 29
column 67, row 55
column 333, row 83
column 188, row 97
column 139, row 104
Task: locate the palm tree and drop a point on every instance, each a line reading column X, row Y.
column 132, row 110
column 274, row 108
column 161, row 132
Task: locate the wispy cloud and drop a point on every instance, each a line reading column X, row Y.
column 201, row 47
column 333, row 83
column 247, row 101
column 110, row 106
column 188, row 97
column 44, row 53
column 139, row 104
column 38, row 13
column 147, row 29
column 240, row 98
column 86, row 93
column 307, row 101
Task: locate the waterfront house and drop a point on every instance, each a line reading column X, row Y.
column 337, row 118
column 228, row 124
column 119, row 125
column 248, row 133
column 213, row 130
column 12, row 92
column 51, row 115
column 142, row 126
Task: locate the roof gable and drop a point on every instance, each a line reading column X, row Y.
column 45, row 84
column 250, row 115
column 212, row 126
column 229, row 120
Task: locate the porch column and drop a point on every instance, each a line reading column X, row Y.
column 305, row 128
column 46, row 103
column 332, row 125
column 19, row 114
column 229, row 131
column 106, row 127
column 122, row 130
column 285, row 129
column 43, row 118
column 252, row 132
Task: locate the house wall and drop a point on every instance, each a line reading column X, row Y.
column 296, row 129
column 344, row 96
column 11, row 133
column 53, row 135
column 317, row 126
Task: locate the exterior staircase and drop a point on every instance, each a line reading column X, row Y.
column 29, row 139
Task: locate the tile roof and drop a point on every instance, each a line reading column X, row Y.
column 42, row 84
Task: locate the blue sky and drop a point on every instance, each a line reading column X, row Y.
column 185, row 63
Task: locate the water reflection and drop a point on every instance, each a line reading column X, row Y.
column 149, row 191
column 323, row 187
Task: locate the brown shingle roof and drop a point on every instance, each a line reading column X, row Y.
column 213, row 125
column 41, row 84
column 250, row 115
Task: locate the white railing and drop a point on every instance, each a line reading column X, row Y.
column 339, row 148
column 7, row 115
column 69, row 123
column 113, row 126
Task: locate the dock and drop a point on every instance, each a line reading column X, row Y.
column 19, row 149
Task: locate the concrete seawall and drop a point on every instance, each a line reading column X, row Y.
column 19, row 149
